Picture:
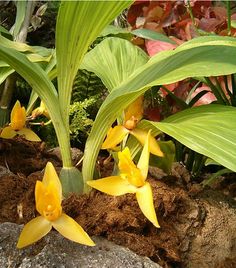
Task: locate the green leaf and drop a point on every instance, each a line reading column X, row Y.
column 208, row 130
column 78, row 25
column 16, row 45
column 113, row 30
column 20, row 16
column 203, row 56
column 4, row 73
column 40, row 82
column 114, row 60
column 5, row 32
column 152, row 35
column 164, row 163
column 233, row 24
column 215, row 176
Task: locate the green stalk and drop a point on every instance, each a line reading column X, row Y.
column 228, row 17
column 190, row 160
column 6, row 97
column 216, row 175
column 189, row 8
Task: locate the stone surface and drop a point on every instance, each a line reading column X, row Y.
column 56, row 251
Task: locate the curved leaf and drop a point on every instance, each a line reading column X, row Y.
column 152, row 35
column 114, row 60
column 205, row 56
column 78, row 24
column 207, row 130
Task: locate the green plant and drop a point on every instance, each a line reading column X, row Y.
column 79, row 118
column 198, row 127
column 78, row 24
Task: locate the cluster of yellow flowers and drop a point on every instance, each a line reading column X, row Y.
column 48, row 192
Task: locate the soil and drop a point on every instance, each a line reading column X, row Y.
column 197, row 225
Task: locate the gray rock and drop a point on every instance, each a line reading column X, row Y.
column 56, row 251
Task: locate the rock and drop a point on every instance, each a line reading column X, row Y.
column 76, row 154
column 214, row 245
column 207, row 231
column 56, row 251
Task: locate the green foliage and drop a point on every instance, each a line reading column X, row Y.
column 80, row 123
column 87, row 97
column 204, row 56
column 78, row 25
column 86, row 85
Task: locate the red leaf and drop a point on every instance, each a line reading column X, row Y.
column 153, row 47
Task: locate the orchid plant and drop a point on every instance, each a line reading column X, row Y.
column 48, row 198
column 132, row 179
column 17, row 125
column 197, row 128
column 77, row 27
column 133, row 114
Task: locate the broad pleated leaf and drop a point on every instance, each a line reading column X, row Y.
column 78, row 25
column 114, row 60
column 70, row 229
column 204, row 56
column 209, row 130
column 33, row 231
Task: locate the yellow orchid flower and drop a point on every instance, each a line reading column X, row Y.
column 41, row 110
column 17, row 125
column 48, row 197
column 133, row 114
column 132, row 179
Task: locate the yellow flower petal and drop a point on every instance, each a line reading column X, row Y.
column 128, row 169
column 50, row 176
column 134, row 112
column 141, row 136
column 48, row 201
column 113, row 185
column 28, row 134
column 143, row 162
column 33, row 231
column 8, row 133
column 40, row 110
column 39, row 190
column 18, row 116
column 70, row 229
column 145, row 201
column 126, row 163
column 114, row 137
